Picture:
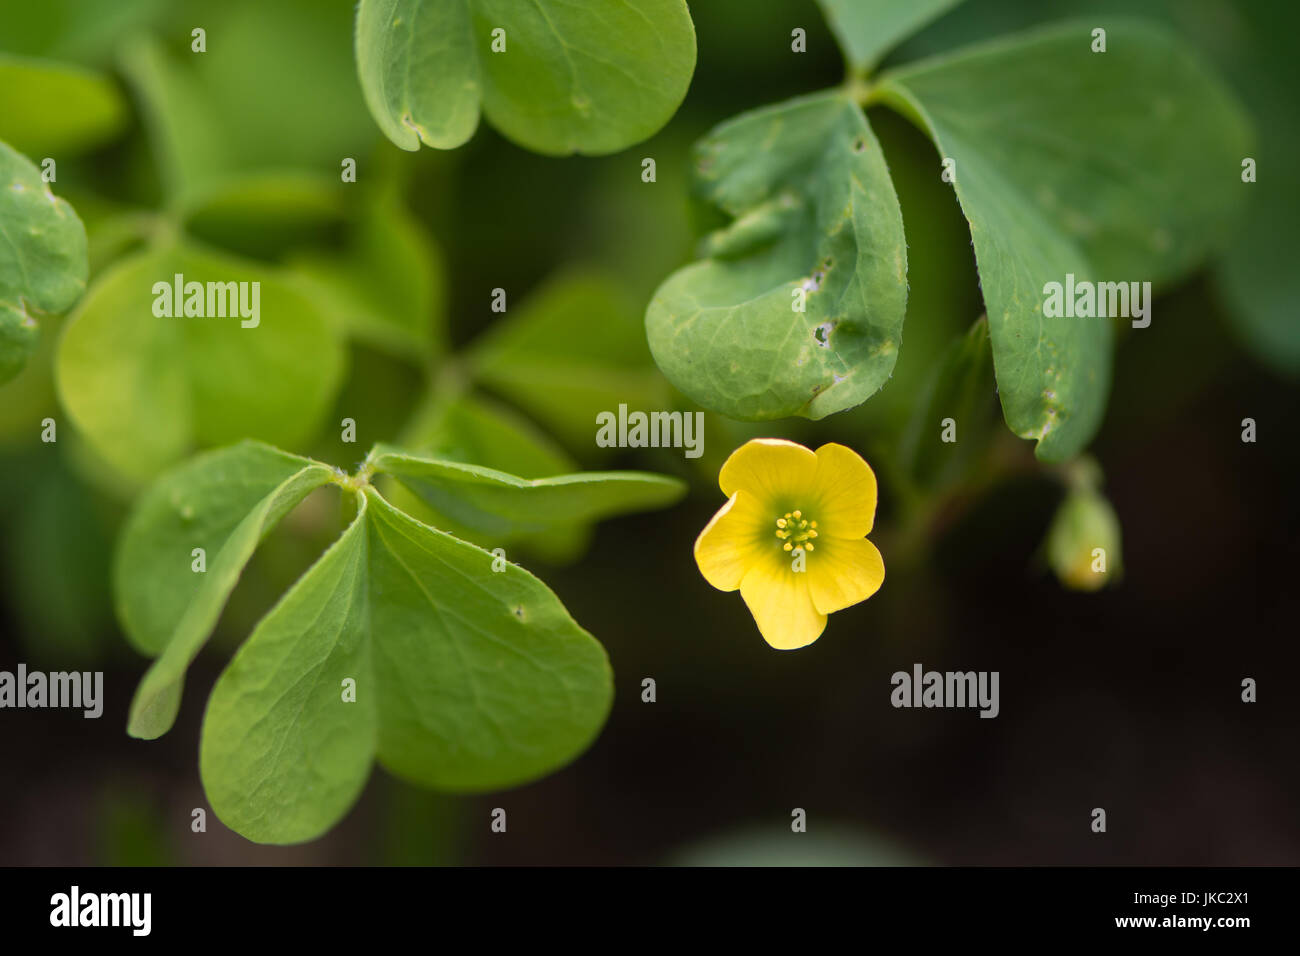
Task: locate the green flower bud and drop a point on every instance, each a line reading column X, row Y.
column 1083, row 543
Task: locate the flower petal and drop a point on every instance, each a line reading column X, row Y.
column 770, row 469
column 732, row 542
column 782, row 608
column 844, row 492
column 842, row 571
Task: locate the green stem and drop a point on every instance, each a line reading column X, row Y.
column 860, row 89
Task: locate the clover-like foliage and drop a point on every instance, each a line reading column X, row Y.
column 451, row 666
column 1113, row 166
column 554, row 76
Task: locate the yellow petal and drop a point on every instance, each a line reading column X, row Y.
column 770, row 469
column 732, row 542
column 842, row 572
column 782, row 608
column 843, row 493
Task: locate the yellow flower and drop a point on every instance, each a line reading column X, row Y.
column 791, row 536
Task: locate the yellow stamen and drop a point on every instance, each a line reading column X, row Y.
column 795, row 531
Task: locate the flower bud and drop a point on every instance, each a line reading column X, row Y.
column 1083, row 543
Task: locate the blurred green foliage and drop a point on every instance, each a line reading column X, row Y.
column 239, row 150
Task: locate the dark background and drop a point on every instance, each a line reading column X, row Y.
column 1127, row 699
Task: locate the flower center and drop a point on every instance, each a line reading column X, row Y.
column 796, row 531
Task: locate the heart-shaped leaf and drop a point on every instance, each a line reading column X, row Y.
column 197, row 380
column 224, row 502
column 199, row 504
column 554, row 76
column 461, row 677
column 798, row 307
column 1113, row 166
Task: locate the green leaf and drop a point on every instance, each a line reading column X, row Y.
column 388, row 287
column 224, row 502
column 1115, row 166
column 574, row 349
column 42, row 257
column 198, row 504
column 282, row 757
column 868, row 29
column 195, row 381
column 813, row 213
column 574, row 77
column 53, row 109
column 465, row 678
column 495, row 503
column 476, row 431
